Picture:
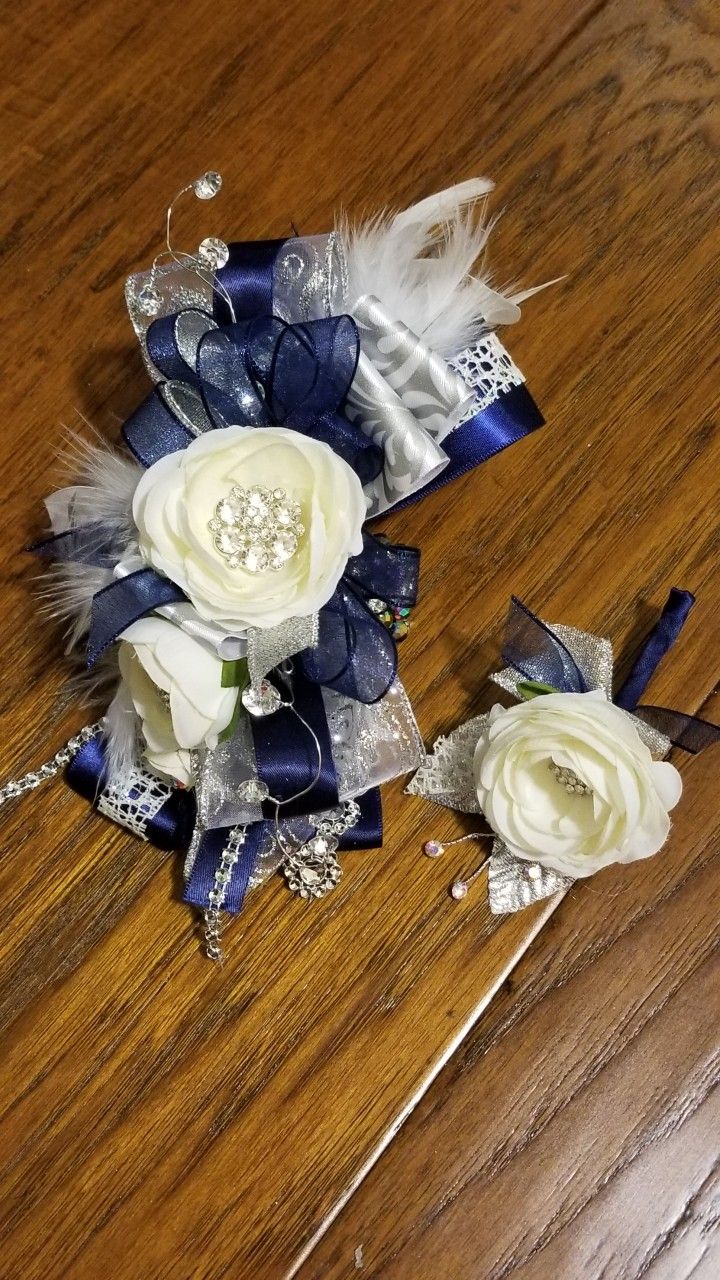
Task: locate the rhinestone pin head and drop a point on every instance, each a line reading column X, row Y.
column 261, row 700
column 149, row 301
column 213, row 252
column 208, row 185
column 433, row 848
column 257, row 529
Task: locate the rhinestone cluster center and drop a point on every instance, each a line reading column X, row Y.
column 568, row 779
column 257, row 529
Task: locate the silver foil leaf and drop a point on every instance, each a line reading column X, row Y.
column 267, row 647
column 514, row 884
column 447, row 775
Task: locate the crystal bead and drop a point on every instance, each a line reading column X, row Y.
column 433, row 848
column 213, row 252
column 208, row 185
column 261, row 700
column 459, row 889
column 254, row 791
column 376, row 606
column 149, row 301
column 222, row 877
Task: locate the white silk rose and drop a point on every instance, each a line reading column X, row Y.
column 175, row 685
column 565, row 780
column 256, row 525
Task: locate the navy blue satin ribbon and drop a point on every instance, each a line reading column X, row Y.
column 122, row 602
column 287, row 757
column 153, row 430
column 534, row 650
column 656, row 645
column 207, row 861
column 366, row 834
column 248, row 279
column 170, row 828
column 509, row 418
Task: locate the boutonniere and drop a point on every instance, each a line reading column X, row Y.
column 572, row 777
column 219, row 570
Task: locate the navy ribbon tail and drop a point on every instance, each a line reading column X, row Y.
column 690, row 733
column 661, row 638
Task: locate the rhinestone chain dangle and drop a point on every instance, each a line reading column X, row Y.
column 36, row 777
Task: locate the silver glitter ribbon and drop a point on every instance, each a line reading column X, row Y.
column 446, row 775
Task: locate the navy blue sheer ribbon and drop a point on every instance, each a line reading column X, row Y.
column 153, row 430
column 122, row 602
column 509, row 418
column 385, row 570
column 258, row 372
column 655, row 646
column 171, row 828
column 366, row 834
column 355, row 653
column 534, row 650
column 287, row 755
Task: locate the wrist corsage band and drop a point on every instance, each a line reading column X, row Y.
column 571, row 778
column 221, row 571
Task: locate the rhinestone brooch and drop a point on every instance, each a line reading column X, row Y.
column 313, row 870
column 257, row 529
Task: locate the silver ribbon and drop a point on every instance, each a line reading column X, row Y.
column 446, row 775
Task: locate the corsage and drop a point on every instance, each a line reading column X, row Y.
column 220, row 569
column 571, row 778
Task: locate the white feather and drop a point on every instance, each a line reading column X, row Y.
column 66, row 594
column 103, row 490
column 122, row 730
column 419, row 264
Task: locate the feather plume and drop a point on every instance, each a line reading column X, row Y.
column 103, row 489
column 419, row 264
column 122, row 732
column 66, row 593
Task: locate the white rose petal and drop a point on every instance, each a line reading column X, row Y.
column 159, row 658
column 625, row 816
column 176, row 500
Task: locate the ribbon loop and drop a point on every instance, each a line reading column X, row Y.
column 533, row 649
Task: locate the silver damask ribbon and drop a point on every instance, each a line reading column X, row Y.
column 446, row 776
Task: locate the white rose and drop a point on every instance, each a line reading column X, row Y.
column 174, row 683
column 617, row 809
column 311, row 527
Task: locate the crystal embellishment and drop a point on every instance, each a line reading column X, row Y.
column 261, row 699
column 313, row 870
column 213, row 252
column 257, row 529
column 208, row 185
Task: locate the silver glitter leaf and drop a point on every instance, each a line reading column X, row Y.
column 267, row 647
column 514, row 884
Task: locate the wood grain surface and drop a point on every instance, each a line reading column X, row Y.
column 160, row 1118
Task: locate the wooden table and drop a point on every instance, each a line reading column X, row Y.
column 339, row 1099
